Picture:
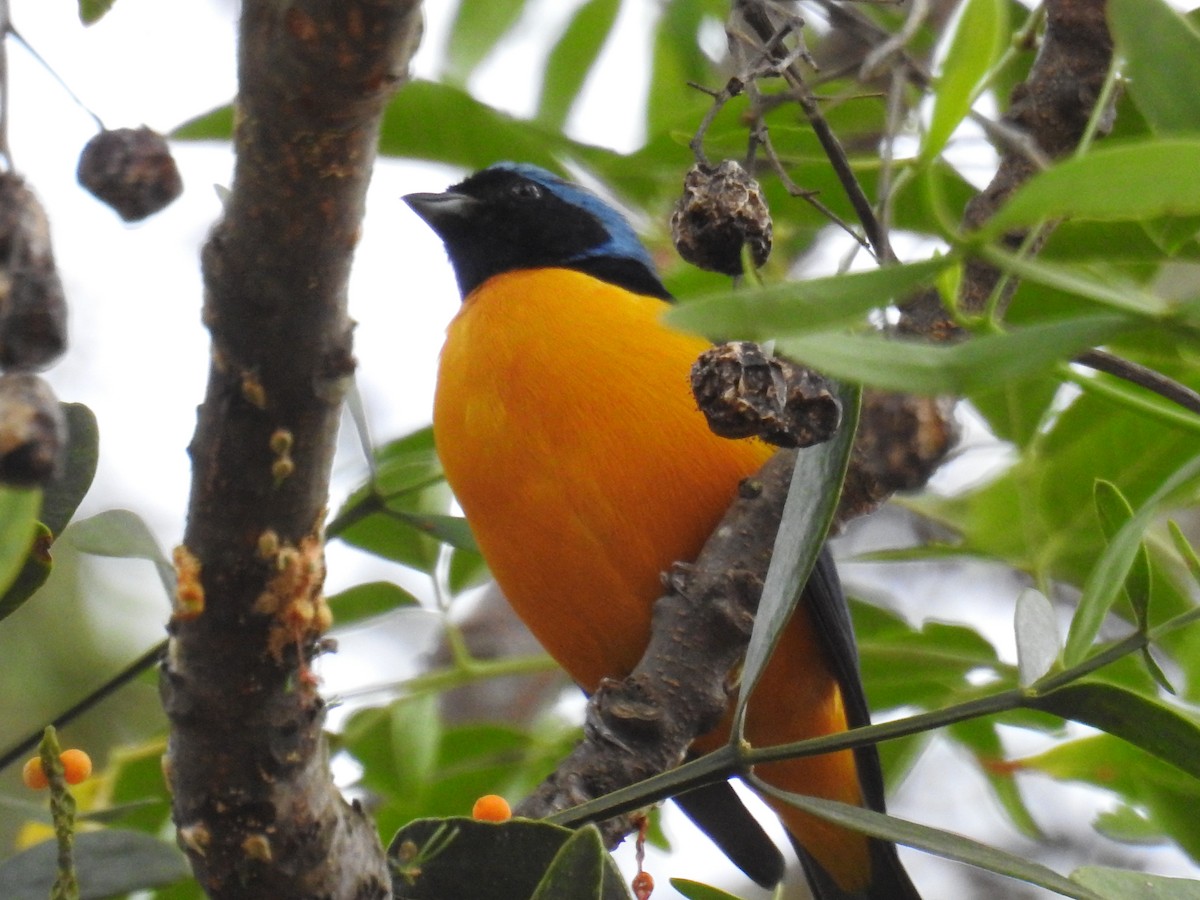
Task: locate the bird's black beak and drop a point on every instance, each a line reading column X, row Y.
column 442, row 210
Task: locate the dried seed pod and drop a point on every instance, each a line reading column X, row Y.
column 721, row 210
column 33, row 309
column 33, row 430
column 132, row 170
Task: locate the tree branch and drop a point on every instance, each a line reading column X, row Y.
column 254, row 803
column 644, row 724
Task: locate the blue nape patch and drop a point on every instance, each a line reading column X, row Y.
column 622, row 239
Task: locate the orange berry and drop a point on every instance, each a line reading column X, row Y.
column 643, row 885
column 491, row 808
column 34, row 775
column 77, row 766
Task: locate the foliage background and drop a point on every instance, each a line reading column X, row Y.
column 1036, row 513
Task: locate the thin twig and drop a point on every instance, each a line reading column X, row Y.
column 1142, row 376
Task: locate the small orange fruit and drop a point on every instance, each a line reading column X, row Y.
column 491, row 808
column 77, row 766
column 34, row 775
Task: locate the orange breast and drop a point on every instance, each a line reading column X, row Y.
column 568, row 432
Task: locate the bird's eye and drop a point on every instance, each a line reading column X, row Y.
column 526, row 190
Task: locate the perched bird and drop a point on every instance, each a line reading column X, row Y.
column 565, row 423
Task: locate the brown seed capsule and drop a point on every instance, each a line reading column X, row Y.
column 132, row 170
column 721, row 210
column 33, row 309
column 33, row 430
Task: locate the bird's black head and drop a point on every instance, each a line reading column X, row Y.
column 516, row 216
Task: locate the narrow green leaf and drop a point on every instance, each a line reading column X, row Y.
column 373, row 598
column 33, row 573
column 92, row 11
column 572, row 59
column 1166, row 794
column 1136, row 180
column 18, row 521
column 694, row 890
column 470, row 133
column 452, row 530
column 63, row 496
column 214, row 125
column 977, row 43
column 110, row 863
column 1185, row 550
column 933, row 840
column 1114, row 510
column 122, row 533
column 1121, row 884
column 1038, row 641
column 1097, row 282
column 803, row 307
column 1107, row 577
column 478, row 27
column 1155, row 727
column 1161, row 51
column 811, row 502
column 922, row 368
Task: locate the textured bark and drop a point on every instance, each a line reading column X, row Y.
column 254, row 803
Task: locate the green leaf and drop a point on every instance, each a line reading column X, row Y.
column 582, row 870
column 1108, row 576
column 109, row 863
column 366, row 600
column 1121, row 884
column 1114, row 511
column 1186, row 552
column 122, row 533
column 1135, row 180
column 1168, row 795
column 63, row 495
column 467, row 570
column 807, row 513
column 1161, row 51
column 397, row 745
column 1038, row 642
column 572, row 59
column 478, row 27
column 1152, row 726
column 932, row 840
column 398, row 515
column 33, row 574
column 18, row 523
column 802, row 307
column 435, row 859
column 978, row 41
column 452, row 530
column 1095, row 281
column 1016, row 409
column 92, row 11
column 694, row 890
column 214, row 125
column 919, row 367
column 1128, row 826
column 470, row 133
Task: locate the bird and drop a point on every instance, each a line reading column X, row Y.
column 567, row 431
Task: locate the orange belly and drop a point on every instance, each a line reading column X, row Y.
column 567, row 429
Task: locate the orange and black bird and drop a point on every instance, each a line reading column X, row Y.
column 567, row 429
